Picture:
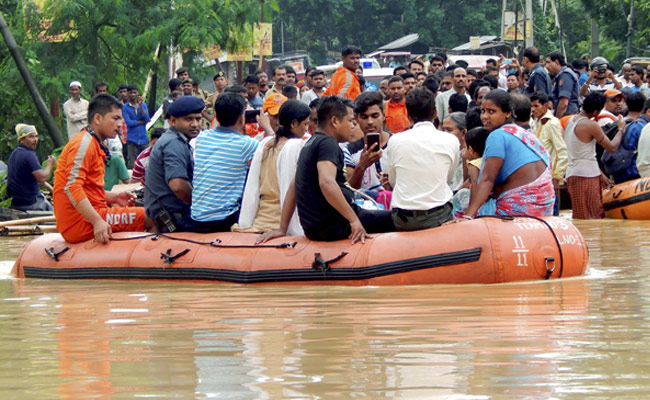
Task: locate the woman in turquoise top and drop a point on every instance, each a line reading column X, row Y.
column 515, row 168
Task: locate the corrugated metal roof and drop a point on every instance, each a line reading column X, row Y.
column 401, row 42
column 482, row 40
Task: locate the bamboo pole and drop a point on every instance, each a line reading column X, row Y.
column 27, row 229
column 28, row 221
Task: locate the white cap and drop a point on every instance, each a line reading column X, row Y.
column 75, row 83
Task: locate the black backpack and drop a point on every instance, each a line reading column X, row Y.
column 621, row 160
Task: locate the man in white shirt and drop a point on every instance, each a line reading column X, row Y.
column 75, row 110
column 421, row 163
column 318, row 83
column 459, row 81
column 643, row 148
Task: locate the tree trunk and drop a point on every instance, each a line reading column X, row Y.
column 31, row 86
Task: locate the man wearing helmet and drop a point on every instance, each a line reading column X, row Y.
column 601, row 78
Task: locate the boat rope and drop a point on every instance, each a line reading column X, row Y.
column 549, row 271
column 55, row 256
column 215, row 243
column 324, row 265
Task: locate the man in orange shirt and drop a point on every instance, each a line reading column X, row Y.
column 345, row 82
column 80, row 202
column 397, row 119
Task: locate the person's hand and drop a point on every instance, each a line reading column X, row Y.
column 594, row 75
column 610, row 74
column 369, row 156
column 51, row 161
column 140, row 100
column 462, row 218
column 383, row 180
column 605, row 182
column 102, row 231
column 125, row 199
column 266, row 236
column 621, row 123
column 358, row 232
column 264, row 122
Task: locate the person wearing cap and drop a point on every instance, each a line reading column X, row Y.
column 220, row 83
column 188, row 87
column 222, row 157
column 271, row 107
column 116, row 171
column 81, row 205
column 169, row 174
column 614, row 106
column 24, row 172
column 182, row 73
column 601, row 79
column 75, row 110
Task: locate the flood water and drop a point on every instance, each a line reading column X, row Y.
column 586, row 337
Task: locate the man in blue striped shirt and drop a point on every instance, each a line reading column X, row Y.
column 221, row 159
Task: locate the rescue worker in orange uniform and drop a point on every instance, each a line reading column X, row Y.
column 345, row 82
column 81, row 205
column 397, row 119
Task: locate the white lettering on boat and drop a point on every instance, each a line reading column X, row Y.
column 521, row 251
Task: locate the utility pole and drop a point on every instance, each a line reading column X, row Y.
column 503, row 18
column 630, row 30
column 31, row 86
column 528, row 25
column 595, row 46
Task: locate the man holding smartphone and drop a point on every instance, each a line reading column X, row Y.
column 364, row 166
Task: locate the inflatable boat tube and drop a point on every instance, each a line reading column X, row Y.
column 628, row 200
column 484, row 250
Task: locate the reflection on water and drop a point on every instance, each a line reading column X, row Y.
column 575, row 338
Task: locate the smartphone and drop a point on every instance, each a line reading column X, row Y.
column 251, row 116
column 507, row 61
column 371, row 139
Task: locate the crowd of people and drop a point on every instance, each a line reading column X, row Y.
column 436, row 143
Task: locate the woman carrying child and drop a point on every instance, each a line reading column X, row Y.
column 515, row 166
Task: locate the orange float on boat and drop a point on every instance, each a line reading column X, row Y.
column 628, row 200
column 484, row 250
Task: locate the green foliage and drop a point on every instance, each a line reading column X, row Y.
column 319, row 26
column 109, row 40
column 5, row 202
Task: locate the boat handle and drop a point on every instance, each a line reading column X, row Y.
column 549, row 270
column 55, row 256
column 169, row 259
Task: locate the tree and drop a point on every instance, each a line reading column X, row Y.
column 110, row 40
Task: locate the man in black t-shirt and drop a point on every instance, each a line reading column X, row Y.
column 325, row 201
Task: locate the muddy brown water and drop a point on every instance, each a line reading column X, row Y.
column 585, row 337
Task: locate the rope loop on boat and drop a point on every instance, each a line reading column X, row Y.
column 215, row 243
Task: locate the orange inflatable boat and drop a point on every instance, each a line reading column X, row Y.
column 628, row 200
column 484, row 250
